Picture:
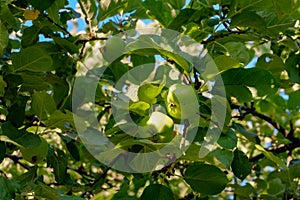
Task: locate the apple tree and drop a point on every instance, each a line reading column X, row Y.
column 129, row 99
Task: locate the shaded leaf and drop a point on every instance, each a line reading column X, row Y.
column 2, row 86
column 293, row 102
column 7, row 16
column 2, row 151
column 31, row 35
column 67, row 45
column 292, row 67
column 272, row 63
column 8, row 188
column 3, row 38
column 72, row 148
column 158, row 192
column 238, row 82
column 58, row 161
column 41, row 5
column 206, row 179
column 61, row 120
column 242, row 19
column 228, row 140
column 20, row 137
column 53, row 10
column 27, row 177
column 43, row 104
column 240, row 165
column 32, row 59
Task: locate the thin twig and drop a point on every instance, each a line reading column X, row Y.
column 222, row 35
column 59, row 26
column 295, row 142
column 288, row 147
column 16, row 159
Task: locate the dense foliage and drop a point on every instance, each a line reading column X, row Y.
column 46, row 45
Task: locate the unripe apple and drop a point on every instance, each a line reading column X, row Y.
column 182, row 102
column 158, row 127
column 113, row 49
column 35, row 154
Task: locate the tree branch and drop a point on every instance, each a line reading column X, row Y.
column 16, row 159
column 295, row 142
column 282, row 149
column 222, row 35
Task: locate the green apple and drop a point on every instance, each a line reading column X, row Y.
column 158, row 127
column 35, row 154
column 182, row 102
column 113, row 48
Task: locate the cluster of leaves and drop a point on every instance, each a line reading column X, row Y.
column 254, row 44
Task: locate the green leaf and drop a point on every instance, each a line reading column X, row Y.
column 43, row 191
column 30, row 34
column 109, row 8
column 148, row 92
column 228, row 140
column 7, row 16
column 276, row 187
column 147, row 44
column 282, row 8
column 33, row 81
column 272, row 63
column 244, row 192
column 4, row 38
column 239, row 81
column 53, row 10
column 225, row 62
column 252, row 137
column 2, row 151
column 41, row 5
column 206, row 179
column 65, row 197
column 272, row 157
column 27, row 177
column 182, row 18
column 58, row 161
column 20, row 137
column 43, row 104
column 157, row 192
column 292, row 67
column 72, row 148
column 32, row 59
column 3, row 85
column 118, row 70
column 176, row 4
column 238, row 51
column 160, row 11
column 294, row 169
column 242, row 19
column 8, row 188
column 224, row 156
column 60, row 120
column 240, row 165
column 293, row 102
column 140, row 108
column 16, row 113
column 66, row 44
